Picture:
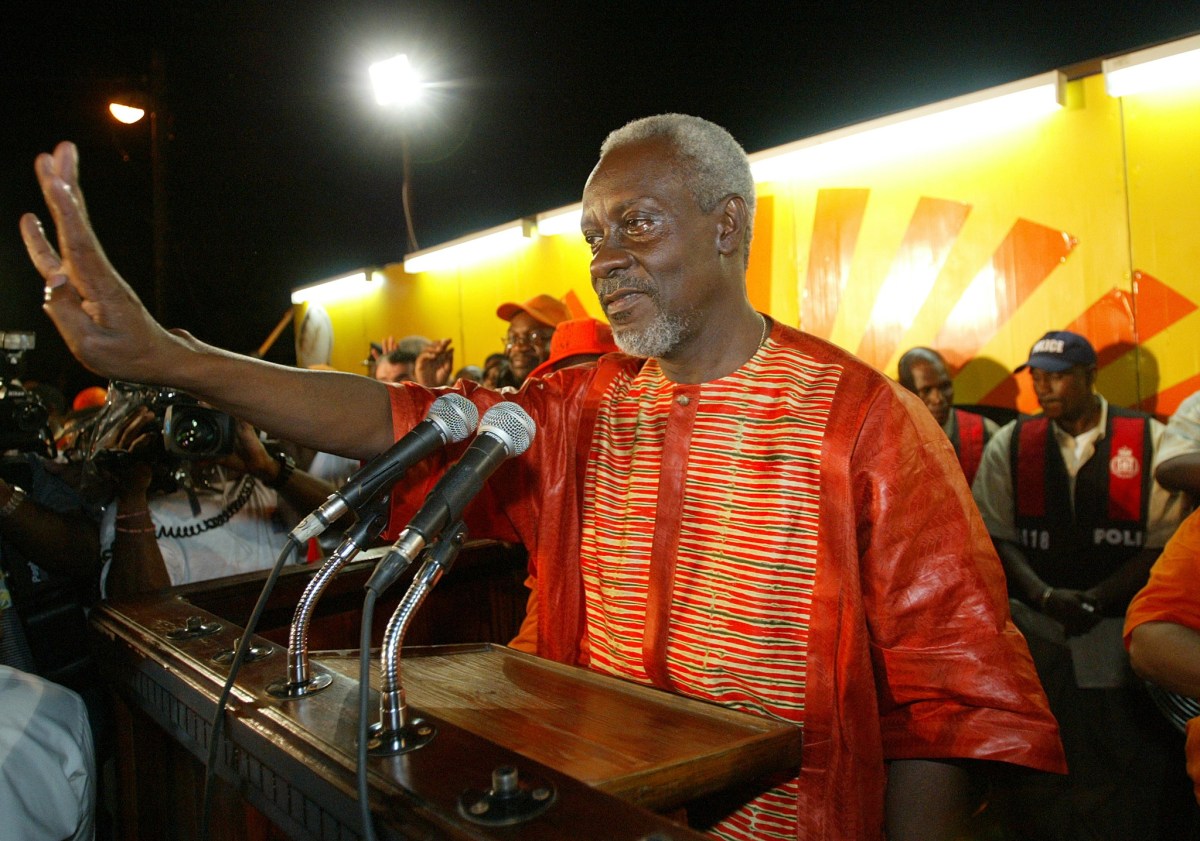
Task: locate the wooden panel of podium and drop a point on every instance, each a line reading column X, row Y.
column 610, row 757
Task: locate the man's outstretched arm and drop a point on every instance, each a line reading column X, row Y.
column 109, row 330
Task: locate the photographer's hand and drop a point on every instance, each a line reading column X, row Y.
column 137, row 564
column 301, row 490
column 135, row 444
column 249, row 455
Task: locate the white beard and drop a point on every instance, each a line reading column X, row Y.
column 658, row 339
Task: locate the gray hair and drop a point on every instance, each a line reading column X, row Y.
column 715, row 164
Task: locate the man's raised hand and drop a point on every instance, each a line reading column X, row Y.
column 99, row 316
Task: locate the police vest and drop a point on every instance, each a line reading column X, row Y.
column 969, row 438
column 1081, row 547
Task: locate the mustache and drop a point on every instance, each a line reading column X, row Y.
column 608, row 285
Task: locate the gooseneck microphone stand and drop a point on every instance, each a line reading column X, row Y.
column 394, row 733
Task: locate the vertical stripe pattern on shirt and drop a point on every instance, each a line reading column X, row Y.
column 740, row 604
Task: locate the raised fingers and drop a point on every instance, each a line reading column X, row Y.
column 41, row 252
column 81, row 259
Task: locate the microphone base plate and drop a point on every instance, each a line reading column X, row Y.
column 290, row 690
column 413, row 735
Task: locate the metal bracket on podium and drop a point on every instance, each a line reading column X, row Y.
column 288, row 690
column 254, row 652
column 193, row 627
column 510, row 800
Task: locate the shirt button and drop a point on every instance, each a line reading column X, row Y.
column 683, row 400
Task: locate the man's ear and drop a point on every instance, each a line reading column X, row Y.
column 732, row 220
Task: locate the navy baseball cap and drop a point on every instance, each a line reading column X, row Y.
column 1059, row 350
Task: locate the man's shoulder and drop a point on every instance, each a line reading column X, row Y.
column 970, row 415
column 1115, row 411
column 823, row 352
column 1189, row 408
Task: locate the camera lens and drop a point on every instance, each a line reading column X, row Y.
column 31, row 417
column 198, row 434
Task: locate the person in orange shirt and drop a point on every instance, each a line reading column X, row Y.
column 1162, row 630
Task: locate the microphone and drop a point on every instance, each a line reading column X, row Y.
column 450, row 419
column 505, row 431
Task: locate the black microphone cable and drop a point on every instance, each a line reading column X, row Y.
column 239, row 657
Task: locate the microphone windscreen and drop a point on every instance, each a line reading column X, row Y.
column 511, row 424
column 456, row 415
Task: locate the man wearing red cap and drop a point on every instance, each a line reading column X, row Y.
column 575, row 342
column 531, row 325
column 1070, row 501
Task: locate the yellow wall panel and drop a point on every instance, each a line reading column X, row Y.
column 976, row 249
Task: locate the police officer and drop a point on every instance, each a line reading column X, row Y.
column 1069, row 498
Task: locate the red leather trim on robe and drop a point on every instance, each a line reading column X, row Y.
column 668, row 521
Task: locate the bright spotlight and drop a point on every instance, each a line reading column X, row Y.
column 395, row 81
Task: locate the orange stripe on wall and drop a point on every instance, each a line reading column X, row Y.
column 1115, row 324
column 839, row 215
column 1164, row 403
column 930, row 235
column 1157, row 305
column 578, row 310
column 1026, row 257
column 1108, row 325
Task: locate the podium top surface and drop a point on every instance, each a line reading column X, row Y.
column 646, row 746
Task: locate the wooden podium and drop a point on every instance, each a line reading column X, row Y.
column 608, row 756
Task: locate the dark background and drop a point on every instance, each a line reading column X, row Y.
column 280, row 170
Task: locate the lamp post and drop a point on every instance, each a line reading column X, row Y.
column 133, row 109
column 397, row 85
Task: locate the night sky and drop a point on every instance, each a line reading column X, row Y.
column 280, row 169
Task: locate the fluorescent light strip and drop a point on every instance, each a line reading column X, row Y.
column 337, row 289
column 920, row 130
column 1165, row 67
column 564, row 220
column 493, row 242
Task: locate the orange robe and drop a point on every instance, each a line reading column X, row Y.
column 907, row 650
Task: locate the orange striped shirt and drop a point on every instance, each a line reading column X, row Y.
column 743, row 525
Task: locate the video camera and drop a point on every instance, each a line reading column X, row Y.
column 24, row 420
column 189, row 430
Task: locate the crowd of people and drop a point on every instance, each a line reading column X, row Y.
column 715, row 504
column 543, row 336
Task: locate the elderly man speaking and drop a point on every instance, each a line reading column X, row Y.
column 733, row 510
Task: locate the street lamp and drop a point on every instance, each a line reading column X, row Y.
column 398, row 85
column 130, row 109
